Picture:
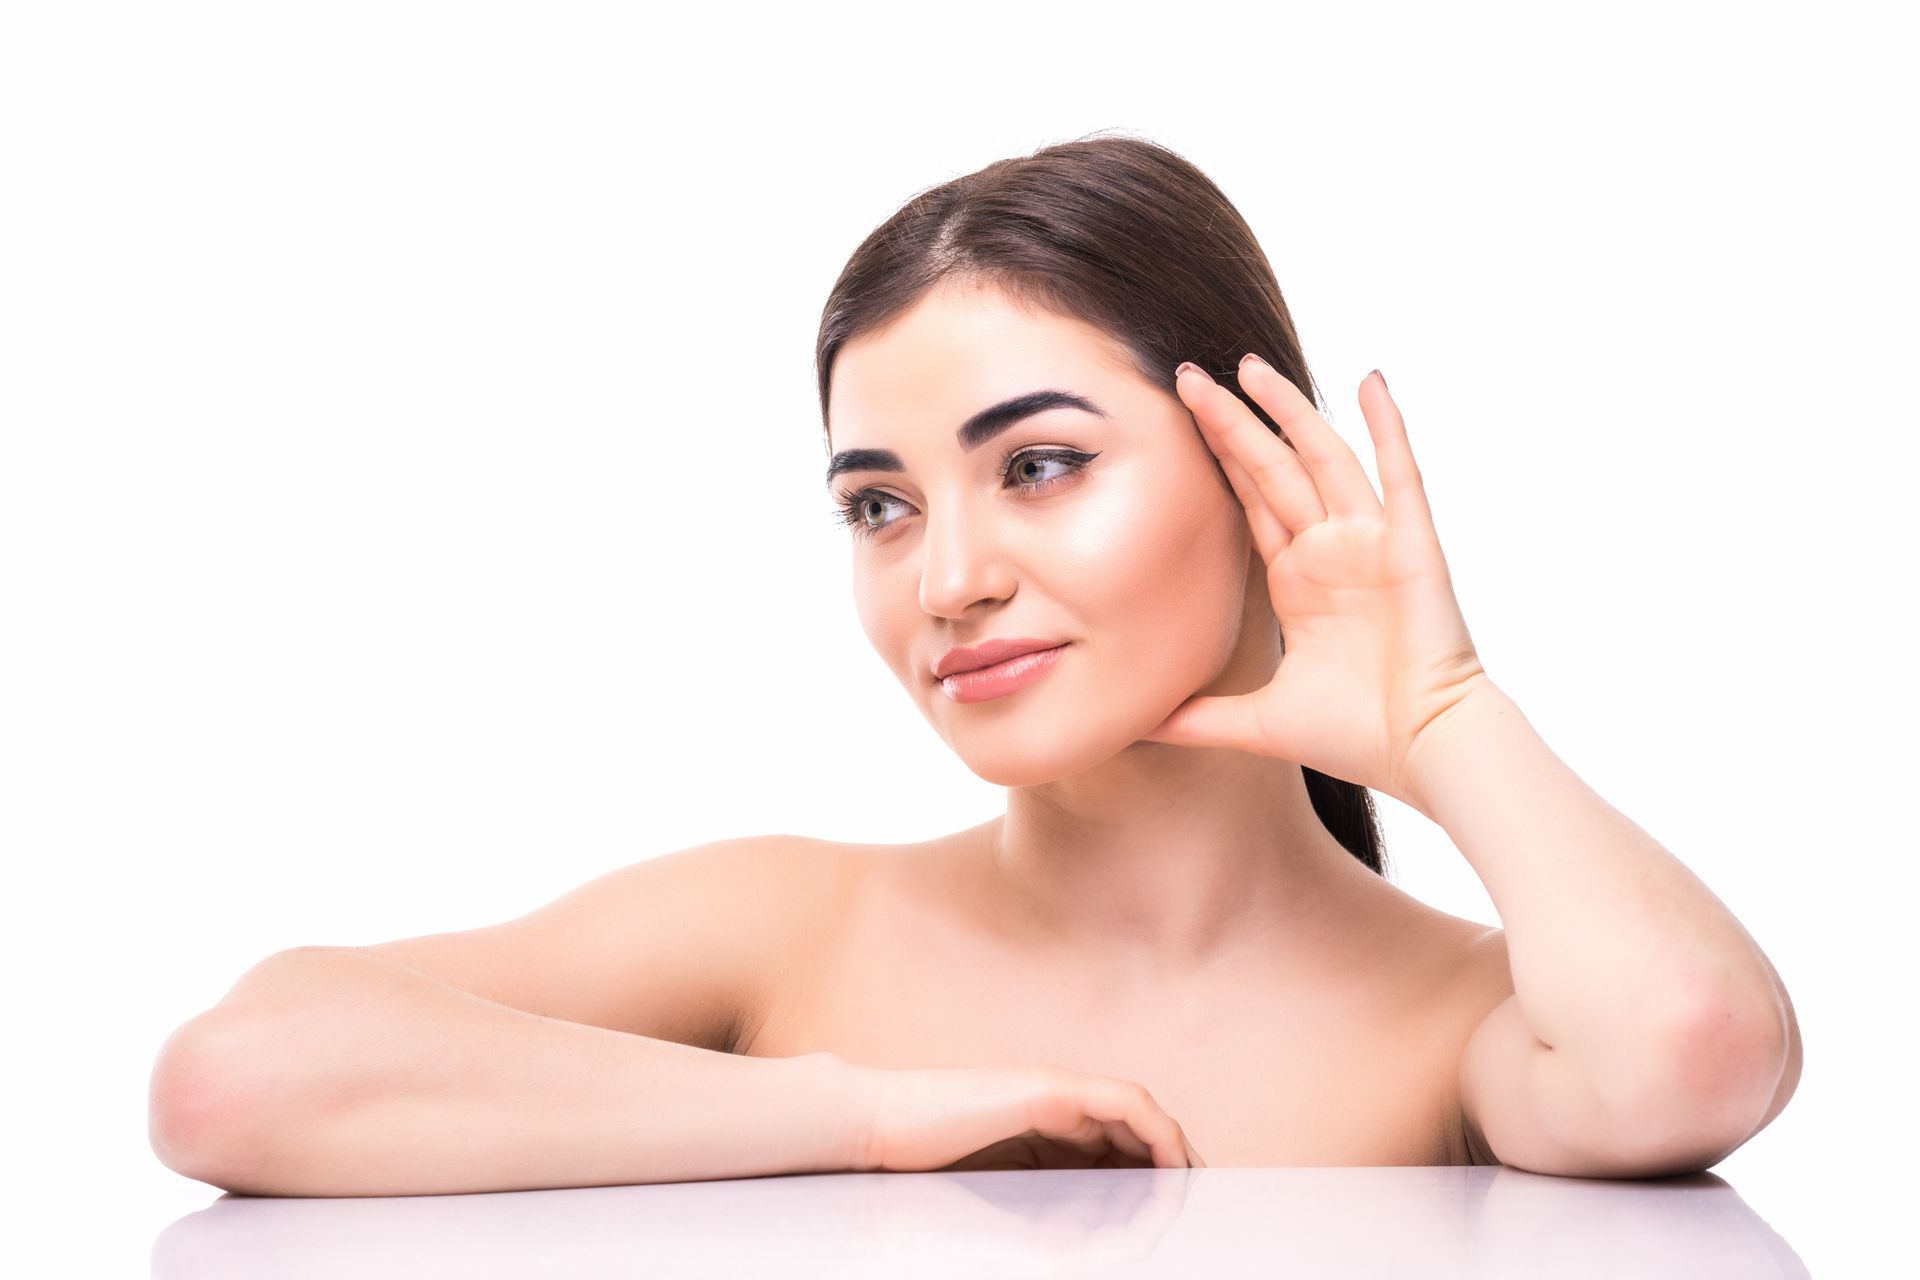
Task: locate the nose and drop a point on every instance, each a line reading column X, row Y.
column 962, row 563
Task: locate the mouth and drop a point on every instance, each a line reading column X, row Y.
column 999, row 679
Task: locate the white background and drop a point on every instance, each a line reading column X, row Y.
column 410, row 500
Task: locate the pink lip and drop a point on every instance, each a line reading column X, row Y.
column 1001, row 678
column 986, row 653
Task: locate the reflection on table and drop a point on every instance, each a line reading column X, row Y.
column 1427, row 1222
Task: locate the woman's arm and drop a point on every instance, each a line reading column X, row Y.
column 335, row 1072
column 1647, row 1030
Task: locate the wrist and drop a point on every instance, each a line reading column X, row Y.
column 846, row 1111
column 1451, row 740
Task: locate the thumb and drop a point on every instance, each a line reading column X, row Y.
column 1205, row 721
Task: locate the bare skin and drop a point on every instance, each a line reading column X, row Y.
column 1176, row 916
column 1337, row 1045
column 1173, row 915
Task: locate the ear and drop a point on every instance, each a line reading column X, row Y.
column 1259, row 604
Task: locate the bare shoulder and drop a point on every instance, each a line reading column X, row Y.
column 677, row 946
column 782, row 893
column 1467, row 961
column 1445, row 960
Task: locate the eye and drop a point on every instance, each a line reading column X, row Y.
column 854, row 507
column 1025, row 465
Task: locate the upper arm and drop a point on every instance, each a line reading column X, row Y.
column 1524, row 1104
column 676, row 947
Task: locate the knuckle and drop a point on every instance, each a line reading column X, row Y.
column 1048, row 1077
column 1269, row 472
column 1051, row 1089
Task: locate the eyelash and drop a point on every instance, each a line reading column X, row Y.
column 847, row 509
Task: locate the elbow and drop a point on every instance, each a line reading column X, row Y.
column 1711, row 1085
column 240, row 1094
column 195, row 1107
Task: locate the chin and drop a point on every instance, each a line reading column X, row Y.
column 1016, row 769
column 1053, row 747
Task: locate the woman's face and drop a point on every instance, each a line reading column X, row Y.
column 1109, row 529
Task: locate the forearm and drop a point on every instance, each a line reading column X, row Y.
column 363, row 1077
column 1621, row 957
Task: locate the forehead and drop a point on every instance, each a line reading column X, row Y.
column 960, row 348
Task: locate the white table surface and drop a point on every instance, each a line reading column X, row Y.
column 1363, row 1221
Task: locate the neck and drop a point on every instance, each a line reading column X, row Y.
column 1165, row 858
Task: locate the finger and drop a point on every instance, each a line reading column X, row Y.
column 1146, row 1118
column 1269, row 534
column 1211, row 720
column 1337, row 474
column 1186, row 1144
column 1232, row 430
column 1399, row 474
column 1075, row 1098
column 1064, row 1119
column 1127, row 1142
column 1088, row 1137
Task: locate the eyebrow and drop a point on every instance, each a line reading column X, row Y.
column 974, row 432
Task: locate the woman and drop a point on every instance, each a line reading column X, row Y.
column 1136, row 579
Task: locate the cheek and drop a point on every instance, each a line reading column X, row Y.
column 1156, row 578
column 889, row 609
column 879, row 617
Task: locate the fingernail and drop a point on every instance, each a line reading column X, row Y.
column 1381, row 376
column 1256, row 359
column 1186, row 365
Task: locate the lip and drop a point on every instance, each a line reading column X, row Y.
column 996, row 680
column 987, row 653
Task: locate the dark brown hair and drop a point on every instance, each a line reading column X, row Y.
column 1128, row 236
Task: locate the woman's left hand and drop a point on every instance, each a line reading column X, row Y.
column 1377, row 654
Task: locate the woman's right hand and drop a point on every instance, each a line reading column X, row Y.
column 1029, row 1117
